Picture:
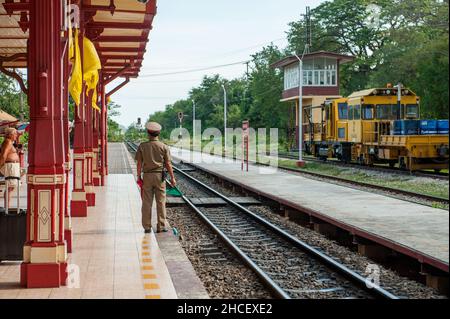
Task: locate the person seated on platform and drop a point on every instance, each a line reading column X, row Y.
column 152, row 157
column 9, row 162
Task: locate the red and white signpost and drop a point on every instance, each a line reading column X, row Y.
column 245, row 143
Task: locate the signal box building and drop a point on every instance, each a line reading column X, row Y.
column 321, row 82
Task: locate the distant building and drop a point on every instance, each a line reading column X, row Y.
column 321, row 81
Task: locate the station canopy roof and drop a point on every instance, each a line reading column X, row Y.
column 120, row 38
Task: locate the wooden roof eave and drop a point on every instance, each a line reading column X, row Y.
column 119, row 51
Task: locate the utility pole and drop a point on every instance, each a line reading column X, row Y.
column 193, row 123
column 225, row 117
column 308, row 22
column 22, row 117
column 399, row 100
column 308, row 43
column 246, row 87
column 300, row 110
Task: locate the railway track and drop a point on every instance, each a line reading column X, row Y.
column 395, row 170
column 287, row 266
column 389, row 190
column 393, row 192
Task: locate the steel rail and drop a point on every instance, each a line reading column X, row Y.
column 426, row 197
column 420, row 173
column 331, row 263
column 342, row 269
column 373, row 186
column 268, row 282
column 386, row 189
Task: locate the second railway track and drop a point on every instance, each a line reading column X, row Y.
column 376, row 168
column 288, row 267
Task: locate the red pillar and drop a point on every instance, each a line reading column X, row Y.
column 89, row 151
column 103, row 136
column 106, row 140
column 78, row 205
column 67, row 219
column 45, row 256
column 96, row 148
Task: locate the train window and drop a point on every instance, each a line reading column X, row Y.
column 357, row 112
column 395, row 112
column 367, row 112
column 412, row 110
column 383, row 112
column 341, row 132
column 343, row 111
column 350, row 112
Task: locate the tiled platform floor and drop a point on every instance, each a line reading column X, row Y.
column 114, row 257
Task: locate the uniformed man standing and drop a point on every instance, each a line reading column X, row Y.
column 152, row 157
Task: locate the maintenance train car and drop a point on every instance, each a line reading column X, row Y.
column 378, row 126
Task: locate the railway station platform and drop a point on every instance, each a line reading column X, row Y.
column 112, row 257
column 417, row 231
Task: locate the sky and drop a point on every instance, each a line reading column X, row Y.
column 197, row 34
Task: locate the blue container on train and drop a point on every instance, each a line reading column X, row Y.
column 406, row 127
column 428, row 127
column 442, row 126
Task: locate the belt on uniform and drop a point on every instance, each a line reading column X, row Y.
column 163, row 174
column 12, row 162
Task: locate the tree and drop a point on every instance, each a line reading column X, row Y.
column 420, row 59
column 265, row 88
column 393, row 41
column 11, row 97
column 115, row 133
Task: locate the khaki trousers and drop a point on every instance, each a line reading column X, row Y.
column 153, row 188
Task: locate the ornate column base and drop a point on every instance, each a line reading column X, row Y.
column 89, row 187
column 96, row 179
column 90, row 196
column 43, row 275
column 44, row 267
column 96, row 174
column 69, row 239
column 68, row 234
column 79, row 205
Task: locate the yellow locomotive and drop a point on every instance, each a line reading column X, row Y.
column 376, row 126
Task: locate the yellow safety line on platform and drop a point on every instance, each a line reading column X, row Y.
column 149, row 277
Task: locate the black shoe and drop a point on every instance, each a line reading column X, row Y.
column 163, row 231
column 148, row 231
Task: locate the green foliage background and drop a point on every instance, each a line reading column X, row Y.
column 393, row 41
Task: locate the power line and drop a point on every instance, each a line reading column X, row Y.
column 192, row 70
column 222, row 55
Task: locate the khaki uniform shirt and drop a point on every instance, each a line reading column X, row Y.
column 153, row 155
